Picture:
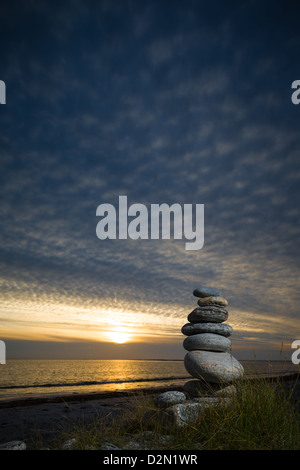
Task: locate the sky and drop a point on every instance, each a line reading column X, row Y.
column 163, row 102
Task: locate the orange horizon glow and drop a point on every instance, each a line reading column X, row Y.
column 132, row 323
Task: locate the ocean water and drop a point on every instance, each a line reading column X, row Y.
column 20, row 379
column 32, row 378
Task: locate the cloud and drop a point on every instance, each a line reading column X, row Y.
column 119, row 102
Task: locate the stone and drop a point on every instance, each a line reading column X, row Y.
column 214, row 367
column 13, row 445
column 198, row 388
column 109, row 446
column 69, row 445
column 215, row 308
column 211, row 401
column 183, row 414
column 169, row 398
column 145, row 440
column 208, row 342
column 206, row 292
column 217, row 328
column 199, row 315
column 228, row 391
column 212, row 300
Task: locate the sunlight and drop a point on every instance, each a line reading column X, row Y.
column 119, row 337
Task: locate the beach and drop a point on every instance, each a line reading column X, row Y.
column 41, row 420
column 46, row 419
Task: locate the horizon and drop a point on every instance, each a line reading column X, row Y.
column 162, row 104
column 90, row 351
column 134, row 359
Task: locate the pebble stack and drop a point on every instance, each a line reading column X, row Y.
column 209, row 359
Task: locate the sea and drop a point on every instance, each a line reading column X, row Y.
column 27, row 379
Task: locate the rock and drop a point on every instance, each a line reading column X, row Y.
column 208, row 342
column 206, row 292
column 13, row 445
column 213, row 300
column 217, row 328
column 228, row 391
column 145, row 440
column 208, row 315
column 215, row 308
column 215, row 367
column 198, row 388
column 109, row 446
column 212, row 401
column 169, row 398
column 187, row 413
column 69, row 445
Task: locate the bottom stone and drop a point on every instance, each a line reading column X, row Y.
column 183, row 414
column 213, row 367
column 196, row 388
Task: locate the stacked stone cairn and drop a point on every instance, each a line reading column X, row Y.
column 208, row 360
column 209, row 357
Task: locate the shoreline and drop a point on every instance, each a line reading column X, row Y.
column 36, row 400
column 46, row 418
column 91, row 396
column 107, row 394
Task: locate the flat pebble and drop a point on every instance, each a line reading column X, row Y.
column 208, row 342
column 199, row 315
column 206, row 292
column 218, row 328
column 213, row 300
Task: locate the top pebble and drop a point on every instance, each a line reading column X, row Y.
column 206, row 292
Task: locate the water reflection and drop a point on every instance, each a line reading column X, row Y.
column 84, row 376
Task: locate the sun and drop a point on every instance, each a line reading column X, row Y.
column 119, row 337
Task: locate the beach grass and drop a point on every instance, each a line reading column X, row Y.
column 260, row 416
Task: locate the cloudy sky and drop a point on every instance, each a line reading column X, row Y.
column 163, row 102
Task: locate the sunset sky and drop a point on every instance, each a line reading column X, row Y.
column 163, row 102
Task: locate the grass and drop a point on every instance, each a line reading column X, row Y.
column 260, row 417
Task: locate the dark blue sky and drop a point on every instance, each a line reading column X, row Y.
column 165, row 102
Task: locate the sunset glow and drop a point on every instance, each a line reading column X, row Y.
column 119, row 337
